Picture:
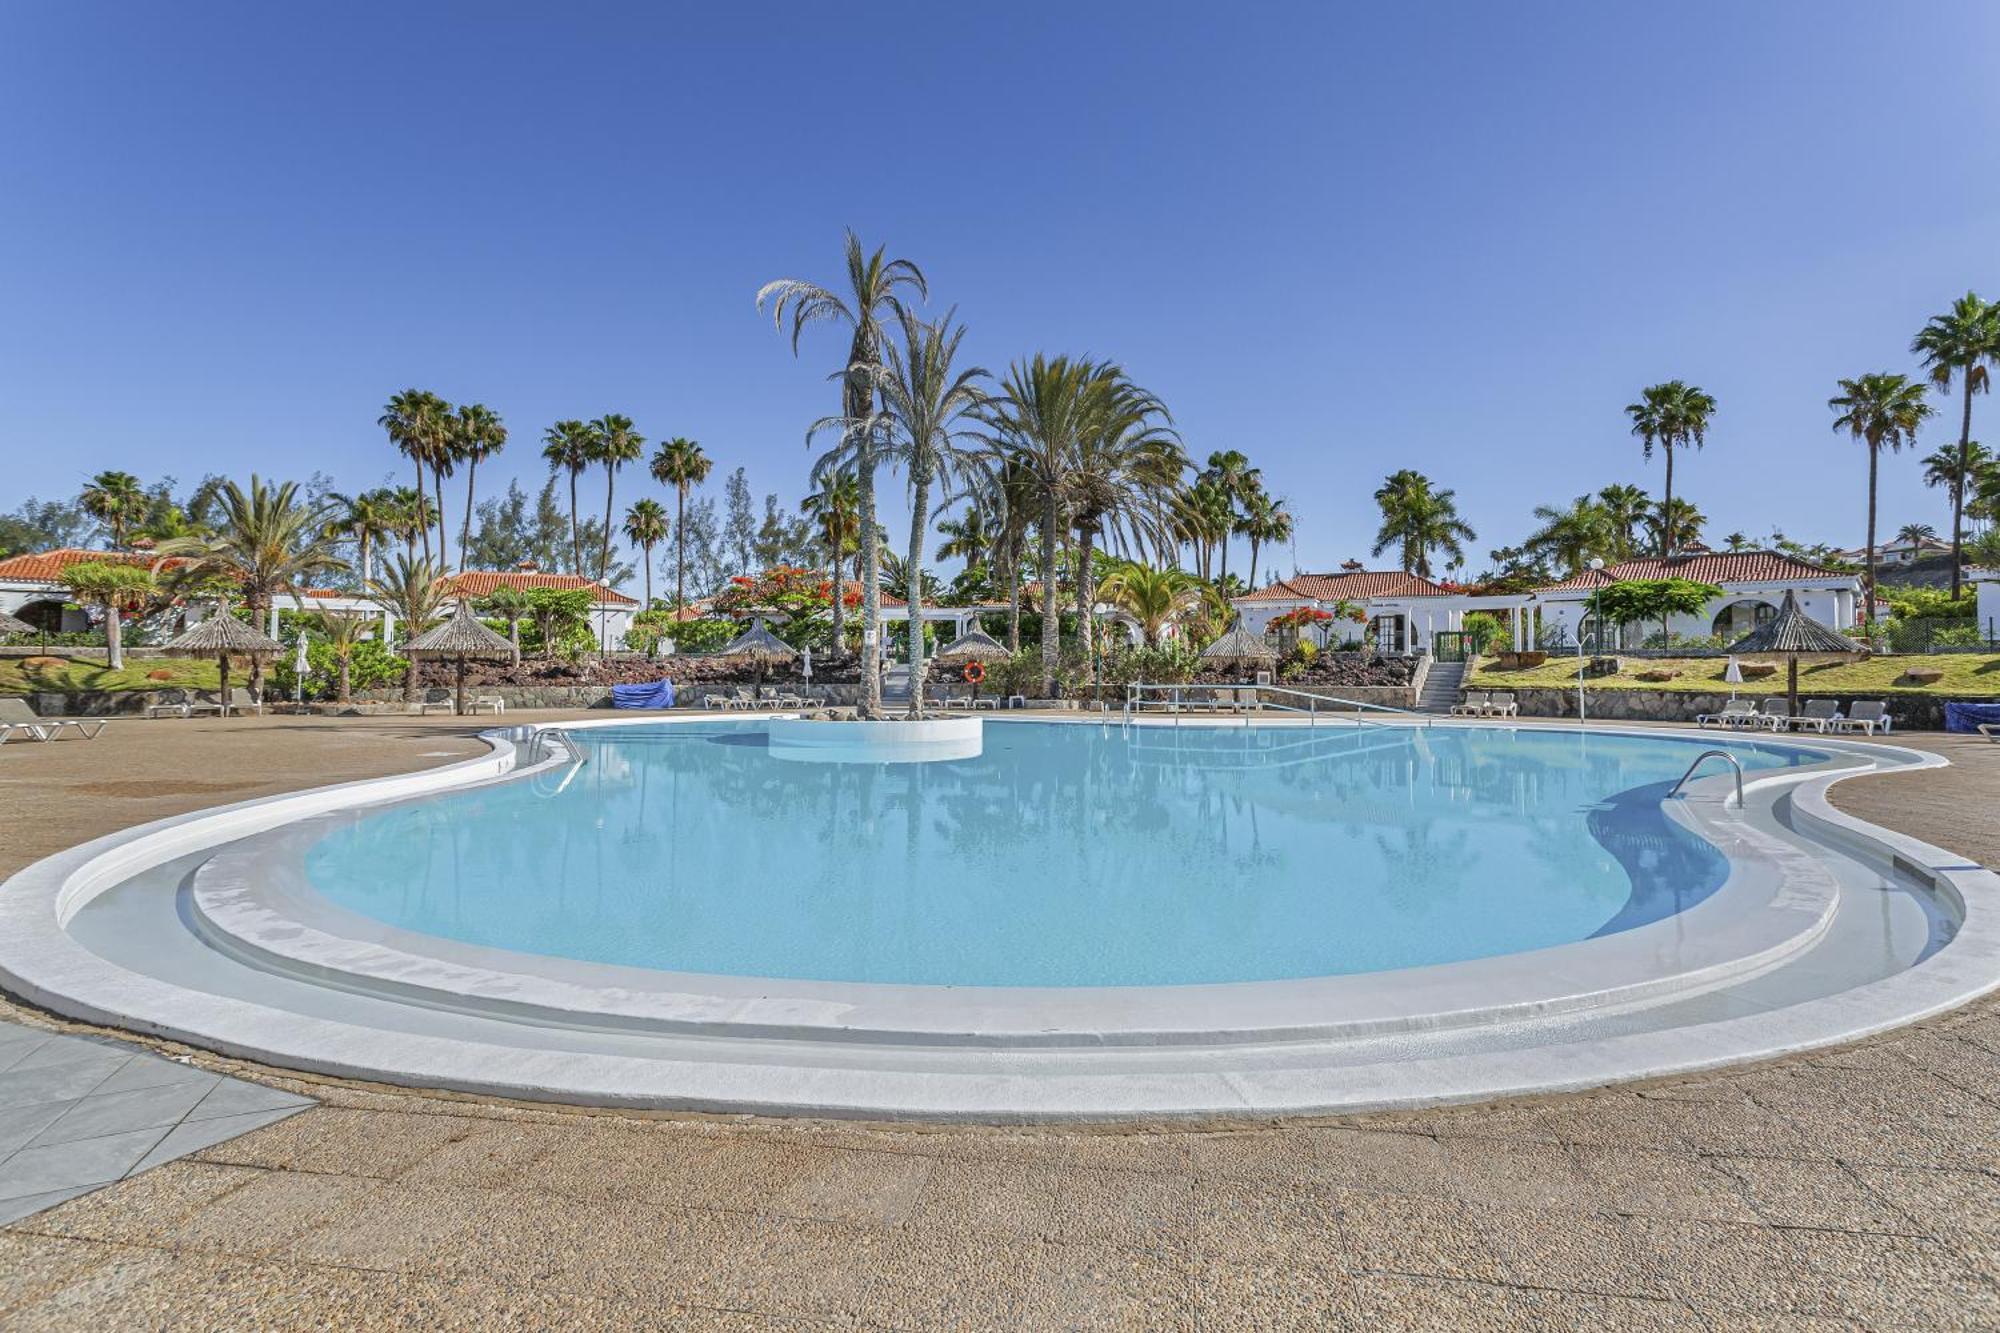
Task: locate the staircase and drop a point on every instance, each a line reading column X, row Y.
column 896, row 684
column 1441, row 684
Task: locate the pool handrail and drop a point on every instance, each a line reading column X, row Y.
column 1734, row 763
column 1135, row 691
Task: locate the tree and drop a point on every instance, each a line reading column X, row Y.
column 1626, row 509
column 419, row 425
column 1737, row 541
column 1685, row 520
column 874, row 293
column 614, row 444
column 477, row 435
column 646, row 527
column 368, row 517
column 342, row 631
column 740, row 525
column 928, row 404
column 1669, row 416
column 1916, row 534
column 412, row 590
column 1571, row 538
column 1638, row 600
column 267, row 543
column 1963, row 343
column 411, row 513
column 681, row 464
column 1203, row 517
column 1230, row 473
column 1878, row 409
column 834, row 508
column 1264, row 522
column 1153, row 597
column 509, row 603
column 116, row 500
column 1126, row 466
column 570, row 446
column 1418, row 519
column 558, row 614
column 115, row 588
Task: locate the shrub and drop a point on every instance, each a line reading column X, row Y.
column 703, row 636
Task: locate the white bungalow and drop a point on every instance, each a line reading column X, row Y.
column 1381, row 594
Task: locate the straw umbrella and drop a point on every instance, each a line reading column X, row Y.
column 460, row 638
column 1239, row 647
column 759, row 645
column 975, row 645
column 1792, row 632
column 223, row 636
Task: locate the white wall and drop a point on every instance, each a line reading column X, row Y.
column 1989, row 606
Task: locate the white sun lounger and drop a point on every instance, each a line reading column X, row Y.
column 1472, row 705
column 16, row 716
column 1819, row 714
column 1869, row 715
column 1500, row 703
column 1735, row 713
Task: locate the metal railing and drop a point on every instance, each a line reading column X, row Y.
column 1175, row 700
column 1734, row 763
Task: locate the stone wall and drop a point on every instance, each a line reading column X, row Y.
column 1910, row 712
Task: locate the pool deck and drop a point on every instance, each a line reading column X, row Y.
column 1854, row 1188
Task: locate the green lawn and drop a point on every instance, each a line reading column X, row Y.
column 183, row 673
column 1965, row 675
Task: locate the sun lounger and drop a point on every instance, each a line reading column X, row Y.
column 16, row 716
column 1819, row 714
column 1500, row 704
column 1990, row 730
column 435, row 701
column 1472, row 705
column 491, row 703
column 242, row 701
column 182, row 703
column 1869, row 715
column 1735, row 713
column 721, row 701
column 1776, row 714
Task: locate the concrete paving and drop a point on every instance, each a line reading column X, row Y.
column 1857, row 1188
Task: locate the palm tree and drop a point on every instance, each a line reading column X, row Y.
column 419, row 425
column 1153, row 597
column 966, row 538
column 1231, row 474
column 615, row 445
column 1964, row 342
column 1203, row 516
column 1670, row 416
column 368, row 517
column 570, row 446
column 412, row 591
column 477, row 435
column 681, row 464
column 1124, row 469
column 116, row 500
column 1685, row 520
column 928, row 404
column 646, row 527
column 1010, row 494
column 873, row 284
column 410, row 515
column 1264, row 522
column 511, row 604
column 1418, row 519
column 1878, row 409
column 267, row 543
column 1573, row 537
column 1916, row 534
column 1628, row 508
column 1737, row 541
column 342, row 631
column 834, row 509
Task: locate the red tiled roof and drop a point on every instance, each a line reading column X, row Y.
column 48, row 566
column 1702, row 567
column 1353, row 585
column 482, row 582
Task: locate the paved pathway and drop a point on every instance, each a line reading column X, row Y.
column 1857, row 1188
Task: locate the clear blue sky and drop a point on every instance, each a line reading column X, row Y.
column 1343, row 239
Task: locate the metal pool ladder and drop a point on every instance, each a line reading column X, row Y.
column 1734, row 763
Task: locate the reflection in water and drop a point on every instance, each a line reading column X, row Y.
column 1064, row 855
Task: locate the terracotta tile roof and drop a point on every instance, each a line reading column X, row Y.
column 482, row 582
column 1352, row 584
column 48, row 566
column 1702, row 567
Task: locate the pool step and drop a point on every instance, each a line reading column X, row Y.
column 1440, row 690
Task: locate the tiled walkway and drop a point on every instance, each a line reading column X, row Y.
column 77, row 1113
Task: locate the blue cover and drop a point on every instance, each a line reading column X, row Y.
column 651, row 694
column 1967, row 717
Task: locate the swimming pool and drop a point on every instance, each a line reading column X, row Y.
column 1063, row 855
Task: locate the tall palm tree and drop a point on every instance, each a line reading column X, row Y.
column 1153, row 597
column 1573, row 537
column 1417, row 519
column 1265, row 522
column 646, row 527
column 615, row 444
column 570, row 446
column 1627, row 508
column 1124, row 469
column 116, row 500
column 967, row 537
column 368, row 517
column 268, row 543
column 1010, row 494
column 873, row 294
column 1915, row 534
column 412, row 591
column 834, row 509
column 477, row 435
column 681, row 464
column 1670, row 416
column 1878, row 409
column 1230, row 472
column 419, row 425
column 1958, row 471
column 410, row 515
column 1203, row 516
column 928, row 404
column 1962, row 343
column 1682, row 517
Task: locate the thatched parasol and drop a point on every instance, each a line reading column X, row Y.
column 222, row 636
column 760, row 646
column 15, row 625
column 1240, row 646
column 461, row 638
column 1792, row 632
column 975, row 645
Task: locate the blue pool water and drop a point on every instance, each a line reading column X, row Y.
column 1065, row 855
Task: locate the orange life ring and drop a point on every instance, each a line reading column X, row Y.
column 974, row 673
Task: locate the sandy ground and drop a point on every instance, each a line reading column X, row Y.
column 1856, row 1188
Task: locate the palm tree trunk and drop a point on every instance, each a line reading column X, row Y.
column 1049, row 613
column 1086, row 594
column 1667, row 505
column 1253, row 564
column 839, row 591
column 575, row 533
column 920, row 513
column 1958, row 491
column 367, row 561
column 419, row 514
column 444, row 550
column 465, row 530
column 114, row 637
column 871, row 581
column 514, row 637
column 604, row 560
column 680, row 550
column 647, row 547
column 1014, row 603
column 1868, row 580
column 342, row 689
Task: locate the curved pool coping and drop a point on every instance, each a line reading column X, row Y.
column 764, row 1071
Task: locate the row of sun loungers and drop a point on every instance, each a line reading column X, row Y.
column 1821, row 715
column 1486, row 703
column 743, row 698
column 18, row 721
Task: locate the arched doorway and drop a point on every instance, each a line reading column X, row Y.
column 1737, row 619
column 45, row 615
